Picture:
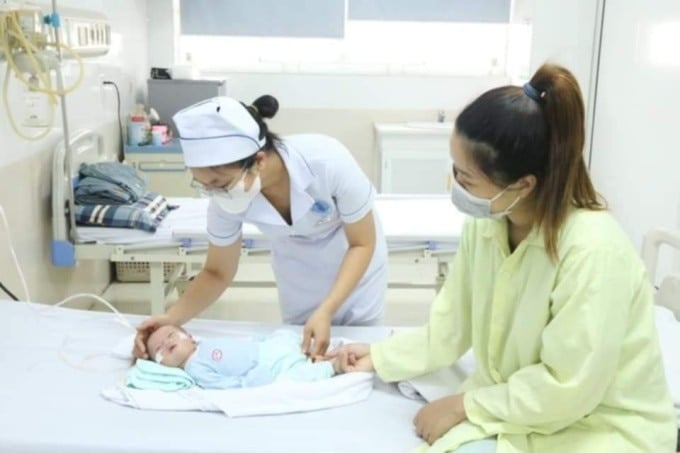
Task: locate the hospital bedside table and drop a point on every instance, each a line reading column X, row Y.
column 164, row 167
column 405, row 149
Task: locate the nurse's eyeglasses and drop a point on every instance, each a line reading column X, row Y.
column 208, row 191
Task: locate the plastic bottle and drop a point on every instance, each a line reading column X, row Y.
column 138, row 127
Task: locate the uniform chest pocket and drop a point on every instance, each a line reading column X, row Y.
column 324, row 212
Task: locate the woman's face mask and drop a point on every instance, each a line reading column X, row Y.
column 237, row 199
column 475, row 206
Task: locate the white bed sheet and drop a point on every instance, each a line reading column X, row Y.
column 405, row 219
column 48, row 406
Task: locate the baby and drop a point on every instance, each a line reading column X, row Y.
column 227, row 362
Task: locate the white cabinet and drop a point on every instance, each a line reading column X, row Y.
column 163, row 167
column 414, row 157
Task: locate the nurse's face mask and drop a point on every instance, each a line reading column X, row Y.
column 233, row 198
column 476, row 206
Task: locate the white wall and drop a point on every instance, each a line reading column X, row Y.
column 361, row 100
column 301, row 91
column 563, row 32
column 567, row 33
column 636, row 156
column 25, row 167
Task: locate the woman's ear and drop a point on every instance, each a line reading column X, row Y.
column 260, row 160
column 526, row 185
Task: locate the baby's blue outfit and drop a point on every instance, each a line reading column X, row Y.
column 221, row 363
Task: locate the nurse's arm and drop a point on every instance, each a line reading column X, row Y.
column 361, row 240
column 217, row 274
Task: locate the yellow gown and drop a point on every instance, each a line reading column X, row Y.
column 567, row 353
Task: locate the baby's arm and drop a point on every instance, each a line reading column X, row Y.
column 208, row 378
column 308, row 371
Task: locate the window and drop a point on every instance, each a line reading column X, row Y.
column 427, row 37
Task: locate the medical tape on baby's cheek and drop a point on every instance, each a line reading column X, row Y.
column 159, row 355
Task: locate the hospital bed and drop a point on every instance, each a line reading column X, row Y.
column 50, row 397
column 55, row 366
column 420, row 230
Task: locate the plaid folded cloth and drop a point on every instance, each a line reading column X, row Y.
column 145, row 214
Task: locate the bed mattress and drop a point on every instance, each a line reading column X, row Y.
column 56, row 363
column 406, row 220
column 49, row 405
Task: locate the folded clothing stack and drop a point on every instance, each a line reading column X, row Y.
column 116, row 195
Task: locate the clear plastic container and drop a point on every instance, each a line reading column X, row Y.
column 138, row 127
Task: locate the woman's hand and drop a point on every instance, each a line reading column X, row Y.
column 436, row 418
column 318, row 329
column 144, row 330
column 352, row 357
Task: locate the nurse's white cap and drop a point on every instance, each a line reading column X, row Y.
column 217, row 131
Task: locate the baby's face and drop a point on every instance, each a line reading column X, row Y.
column 170, row 346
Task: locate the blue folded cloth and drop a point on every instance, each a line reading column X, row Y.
column 124, row 176
column 92, row 190
column 148, row 375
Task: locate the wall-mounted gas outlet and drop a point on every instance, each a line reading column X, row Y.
column 36, row 109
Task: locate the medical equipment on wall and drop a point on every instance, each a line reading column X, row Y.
column 33, row 42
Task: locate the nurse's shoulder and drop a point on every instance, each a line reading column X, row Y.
column 318, row 150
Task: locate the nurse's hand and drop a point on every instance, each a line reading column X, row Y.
column 353, row 357
column 144, row 330
column 436, row 418
column 317, row 328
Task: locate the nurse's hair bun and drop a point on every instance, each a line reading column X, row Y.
column 266, row 106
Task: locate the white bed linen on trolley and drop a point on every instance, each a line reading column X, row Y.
column 405, row 220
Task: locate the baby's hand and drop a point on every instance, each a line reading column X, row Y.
column 352, row 357
column 337, row 365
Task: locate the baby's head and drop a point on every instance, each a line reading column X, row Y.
column 170, row 345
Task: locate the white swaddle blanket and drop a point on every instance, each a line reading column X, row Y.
column 281, row 397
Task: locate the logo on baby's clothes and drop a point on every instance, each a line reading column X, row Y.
column 217, row 355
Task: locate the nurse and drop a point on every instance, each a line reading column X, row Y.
column 546, row 289
column 307, row 195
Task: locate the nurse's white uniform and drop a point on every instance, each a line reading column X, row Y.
column 327, row 189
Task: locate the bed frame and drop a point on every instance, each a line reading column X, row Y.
column 668, row 294
column 183, row 256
